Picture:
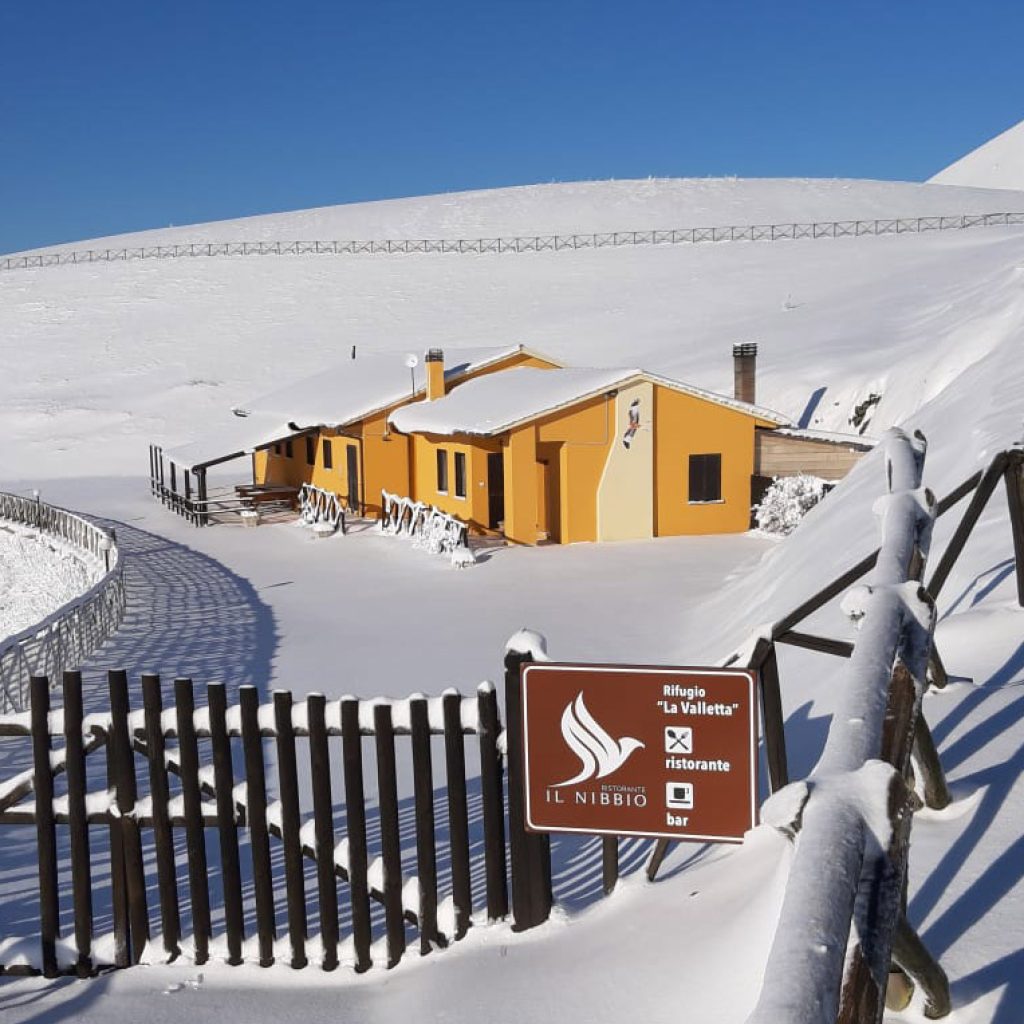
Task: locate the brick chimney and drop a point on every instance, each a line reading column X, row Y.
column 744, row 365
column 435, row 374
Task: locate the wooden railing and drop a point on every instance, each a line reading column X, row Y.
column 851, row 818
column 427, row 526
column 68, row 635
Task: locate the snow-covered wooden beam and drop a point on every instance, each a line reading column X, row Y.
column 852, row 810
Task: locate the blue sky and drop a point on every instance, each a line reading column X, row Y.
column 119, row 116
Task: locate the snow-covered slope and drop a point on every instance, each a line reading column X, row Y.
column 998, row 164
column 583, row 207
column 101, row 359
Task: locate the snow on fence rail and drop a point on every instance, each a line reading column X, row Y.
column 319, row 506
column 843, row 941
column 430, row 528
column 77, row 628
column 523, row 243
column 155, row 790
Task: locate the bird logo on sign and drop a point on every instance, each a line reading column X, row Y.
column 600, row 753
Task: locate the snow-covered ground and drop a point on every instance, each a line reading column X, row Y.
column 146, row 351
column 37, row 576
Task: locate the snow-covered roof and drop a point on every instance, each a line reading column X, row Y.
column 828, row 436
column 498, row 402
column 355, row 388
column 230, row 437
column 344, row 393
column 492, row 404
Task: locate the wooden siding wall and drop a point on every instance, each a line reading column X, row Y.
column 781, row 455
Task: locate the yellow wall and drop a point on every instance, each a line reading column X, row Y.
column 685, row 425
column 472, row 508
column 625, row 495
column 595, row 487
column 279, row 469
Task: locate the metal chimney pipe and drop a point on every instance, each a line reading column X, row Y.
column 744, row 364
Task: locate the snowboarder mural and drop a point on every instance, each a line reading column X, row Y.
column 634, row 423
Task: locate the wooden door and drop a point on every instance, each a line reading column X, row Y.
column 549, row 512
column 495, row 489
column 352, row 466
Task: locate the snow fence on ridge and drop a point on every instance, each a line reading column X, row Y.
column 526, row 243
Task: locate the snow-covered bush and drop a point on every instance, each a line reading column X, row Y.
column 787, row 500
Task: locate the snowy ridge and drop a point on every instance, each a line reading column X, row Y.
column 584, row 207
column 998, row 163
column 529, row 243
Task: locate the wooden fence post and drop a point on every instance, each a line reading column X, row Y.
column 1014, row 478
column 987, row 484
column 609, row 863
column 195, row 837
column 423, row 790
column 78, row 825
column 288, row 790
column 530, row 852
column 765, row 661
column 122, row 754
column 46, row 832
column 493, row 801
column 355, row 818
column 256, row 818
column 458, row 816
column 159, row 791
column 323, row 826
column 390, row 836
column 227, row 831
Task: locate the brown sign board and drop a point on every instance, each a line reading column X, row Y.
column 638, row 751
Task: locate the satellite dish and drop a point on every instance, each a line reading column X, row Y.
column 412, row 360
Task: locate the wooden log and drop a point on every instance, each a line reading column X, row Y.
column 910, row 953
column 227, row 832
column 323, row 825
column 458, row 813
column 1014, row 479
column 805, row 971
column 355, row 813
column 81, row 870
column 774, row 719
column 926, row 758
column 256, row 819
column 288, row 791
column 957, row 494
column 826, row 594
column 530, row 853
column 990, row 478
column 159, row 791
column 821, row 644
column 493, row 803
column 195, row 836
column 937, row 674
column 391, row 841
column 423, row 794
column 122, row 754
column 46, row 832
column 657, row 859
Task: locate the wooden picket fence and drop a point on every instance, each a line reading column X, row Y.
column 178, row 772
